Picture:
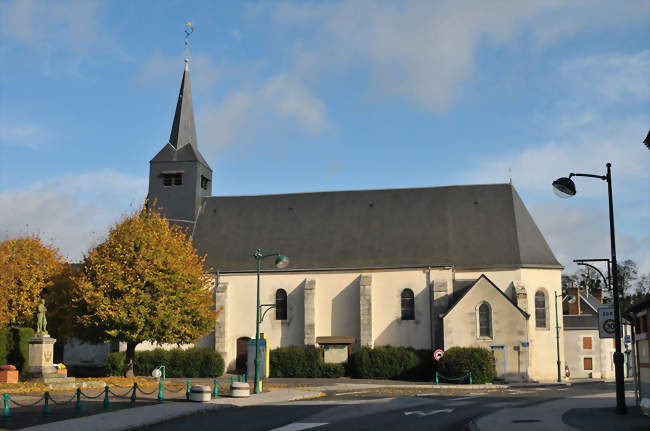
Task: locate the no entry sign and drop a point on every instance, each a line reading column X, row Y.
column 606, row 325
column 438, row 354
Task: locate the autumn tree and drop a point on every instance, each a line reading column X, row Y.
column 144, row 283
column 27, row 269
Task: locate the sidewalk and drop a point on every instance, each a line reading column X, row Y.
column 593, row 412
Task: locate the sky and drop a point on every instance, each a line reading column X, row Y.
column 331, row 95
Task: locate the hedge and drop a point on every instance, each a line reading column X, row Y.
column 307, row 361
column 14, row 346
column 387, row 362
column 189, row 363
column 461, row 360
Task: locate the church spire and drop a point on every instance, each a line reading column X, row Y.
column 183, row 128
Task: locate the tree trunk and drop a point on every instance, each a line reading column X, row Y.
column 129, row 360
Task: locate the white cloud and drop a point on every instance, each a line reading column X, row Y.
column 74, row 211
column 22, row 134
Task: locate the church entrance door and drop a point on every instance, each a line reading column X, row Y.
column 242, row 354
column 499, row 352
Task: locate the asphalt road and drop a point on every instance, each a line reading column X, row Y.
column 383, row 409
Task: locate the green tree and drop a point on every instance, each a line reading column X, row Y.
column 144, row 283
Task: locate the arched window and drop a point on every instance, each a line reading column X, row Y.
column 408, row 305
column 540, row 309
column 280, row 304
column 484, row 320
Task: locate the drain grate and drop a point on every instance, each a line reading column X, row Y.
column 525, row 421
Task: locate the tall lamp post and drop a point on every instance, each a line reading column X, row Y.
column 557, row 336
column 565, row 188
column 608, row 280
column 281, row 261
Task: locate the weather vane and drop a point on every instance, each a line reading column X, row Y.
column 189, row 29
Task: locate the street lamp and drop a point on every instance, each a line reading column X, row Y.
column 281, row 261
column 565, row 188
column 608, row 280
column 571, row 298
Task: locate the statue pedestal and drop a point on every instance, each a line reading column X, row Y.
column 41, row 368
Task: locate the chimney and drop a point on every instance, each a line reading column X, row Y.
column 598, row 294
column 574, row 308
column 522, row 297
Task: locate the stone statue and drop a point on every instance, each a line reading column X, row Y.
column 41, row 320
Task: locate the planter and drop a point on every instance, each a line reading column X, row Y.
column 8, row 376
column 63, row 371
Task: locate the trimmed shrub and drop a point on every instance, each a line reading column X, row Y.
column 6, row 345
column 459, row 361
column 333, row 371
column 14, row 346
column 189, row 363
column 298, row 361
column 387, row 362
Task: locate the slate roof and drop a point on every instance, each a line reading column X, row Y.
column 182, row 144
column 474, row 226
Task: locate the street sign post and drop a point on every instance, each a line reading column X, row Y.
column 606, row 322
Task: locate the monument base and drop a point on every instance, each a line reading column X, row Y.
column 41, row 368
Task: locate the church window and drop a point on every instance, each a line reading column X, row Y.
column 408, row 305
column 204, row 182
column 173, row 179
column 280, row 304
column 540, row 309
column 484, row 320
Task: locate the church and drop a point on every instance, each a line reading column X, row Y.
column 428, row 268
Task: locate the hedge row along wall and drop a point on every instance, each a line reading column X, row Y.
column 189, row 363
column 14, row 346
column 299, row 361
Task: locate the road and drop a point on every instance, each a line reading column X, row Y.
column 383, row 409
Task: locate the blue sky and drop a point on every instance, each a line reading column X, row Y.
column 307, row 96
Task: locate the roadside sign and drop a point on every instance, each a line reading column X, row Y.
column 525, row 344
column 628, row 339
column 438, row 354
column 606, row 325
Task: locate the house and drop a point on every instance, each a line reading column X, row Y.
column 641, row 311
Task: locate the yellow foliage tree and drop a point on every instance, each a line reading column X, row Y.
column 144, row 283
column 27, row 269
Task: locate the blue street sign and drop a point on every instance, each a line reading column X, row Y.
column 525, row 344
column 628, row 339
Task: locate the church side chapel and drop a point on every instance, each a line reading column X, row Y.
column 428, row 268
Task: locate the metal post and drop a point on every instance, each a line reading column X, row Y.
column 6, row 413
column 215, row 390
column 135, row 389
column 187, row 394
column 621, row 409
column 436, row 377
column 160, row 392
column 77, row 405
column 46, row 406
column 244, row 379
column 557, row 342
column 106, row 402
column 258, row 255
column 470, row 377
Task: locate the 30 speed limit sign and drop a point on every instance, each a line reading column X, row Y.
column 606, row 325
column 438, row 354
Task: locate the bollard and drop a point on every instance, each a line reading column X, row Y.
column 232, row 380
column 436, row 377
column 46, row 406
column 215, row 391
column 187, row 394
column 106, row 403
column 133, row 395
column 77, row 406
column 239, row 378
column 470, row 377
column 160, row 392
column 245, row 379
column 6, row 413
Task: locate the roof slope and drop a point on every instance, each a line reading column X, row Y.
column 459, row 295
column 478, row 226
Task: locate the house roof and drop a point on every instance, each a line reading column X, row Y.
column 474, row 226
column 458, row 296
column 580, row 321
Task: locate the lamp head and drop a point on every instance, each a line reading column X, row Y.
column 570, row 299
column 281, row 261
column 564, row 187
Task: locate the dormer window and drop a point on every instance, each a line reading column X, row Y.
column 175, row 179
column 204, row 182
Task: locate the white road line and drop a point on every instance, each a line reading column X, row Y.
column 350, row 393
column 297, row 426
column 461, row 398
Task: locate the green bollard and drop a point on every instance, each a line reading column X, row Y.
column 77, row 406
column 187, row 394
column 106, row 402
column 215, row 390
column 46, row 406
column 6, row 413
column 239, row 378
column 436, row 377
column 133, row 395
column 245, row 379
column 232, row 380
column 470, row 377
column 160, row 392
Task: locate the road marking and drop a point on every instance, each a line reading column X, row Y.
column 350, row 393
column 432, row 412
column 461, row 398
column 297, row 426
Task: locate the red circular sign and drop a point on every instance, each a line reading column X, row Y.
column 609, row 326
column 438, row 354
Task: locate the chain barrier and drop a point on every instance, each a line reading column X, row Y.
column 454, row 378
column 146, row 393
column 181, row 388
column 24, row 405
column 60, row 403
column 123, row 396
column 91, row 397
